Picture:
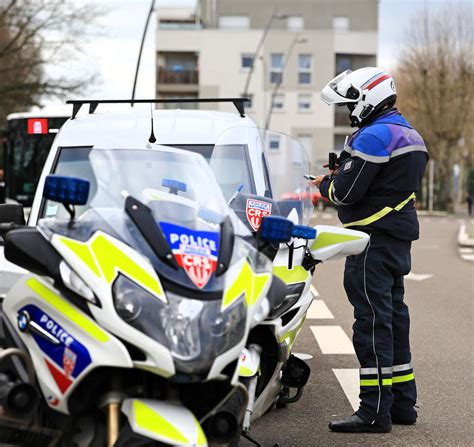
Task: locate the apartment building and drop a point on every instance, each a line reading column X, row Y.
column 208, row 51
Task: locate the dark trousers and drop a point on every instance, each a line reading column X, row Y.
column 373, row 281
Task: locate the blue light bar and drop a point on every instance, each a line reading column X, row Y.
column 304, row 232
column 275, row 229
column 66, row 190
column 174, row 185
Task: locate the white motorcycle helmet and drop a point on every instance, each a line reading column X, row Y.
column 365, row 92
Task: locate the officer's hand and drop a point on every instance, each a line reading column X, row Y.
column 317, row 181
column 331, row 171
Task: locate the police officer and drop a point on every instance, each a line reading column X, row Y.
column 374, row 188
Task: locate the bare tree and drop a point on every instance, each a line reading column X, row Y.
column 33, row 34
column 435, row 88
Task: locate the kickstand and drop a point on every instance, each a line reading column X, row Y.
column 249, row 438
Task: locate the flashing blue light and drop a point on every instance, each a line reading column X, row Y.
column 304, row 232
column 174, row 185
column 275, row 229
column 66, row 190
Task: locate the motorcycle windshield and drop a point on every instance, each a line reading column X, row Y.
column 279, row 163
column 177, row 186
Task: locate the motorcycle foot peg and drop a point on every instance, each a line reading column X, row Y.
column 295, row 373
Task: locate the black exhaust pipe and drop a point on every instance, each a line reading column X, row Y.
column 222, row 427
column 19, row 399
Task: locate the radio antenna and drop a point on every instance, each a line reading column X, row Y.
column 152, row 138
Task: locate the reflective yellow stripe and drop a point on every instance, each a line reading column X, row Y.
column 62, row 306
column 331, row 192
column 106, row 259
column 375, row 382
column 83, row 252
column 149, row 420
column 326, row 239
column 405, row 378
column 246, row 282
column 201, row 437
column 291, row 335
column 111, row 259
column 291, row 276
column 380, row 214
column 245, row 372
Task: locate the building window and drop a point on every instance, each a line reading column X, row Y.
column 274, row 142
column 305, row 62
column 353, row 61
column 304, row 102
column 278, row 101
column 276, row 64
column 295, row 23
column 246, row 61
column 234, row 22
column 340, row 23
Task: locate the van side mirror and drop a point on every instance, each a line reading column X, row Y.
column 11, row 217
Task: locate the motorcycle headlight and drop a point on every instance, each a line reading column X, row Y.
column 195, row 331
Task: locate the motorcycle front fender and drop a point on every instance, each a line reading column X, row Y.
column 167, row 422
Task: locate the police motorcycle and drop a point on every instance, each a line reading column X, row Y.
column 270, row 372
column 143, row 288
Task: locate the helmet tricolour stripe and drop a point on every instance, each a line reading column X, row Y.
column 377, row 81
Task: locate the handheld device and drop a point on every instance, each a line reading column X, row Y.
column 332, row 160
column 309, row 177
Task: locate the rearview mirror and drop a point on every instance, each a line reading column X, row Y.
column 275, row 229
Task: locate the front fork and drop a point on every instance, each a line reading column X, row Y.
column 254, row 352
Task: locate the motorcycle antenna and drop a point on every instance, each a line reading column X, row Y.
column 152, row 138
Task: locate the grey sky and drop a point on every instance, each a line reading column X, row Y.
column 113, row 54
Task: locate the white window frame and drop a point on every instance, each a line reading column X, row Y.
column 276, row 70
column 234, row 22
column 340, row 23
column 310, row 102
column 304, row 70
column 295, row 23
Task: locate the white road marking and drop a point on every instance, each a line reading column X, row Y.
column 303, row 355
column 332, row 340
column 468, row 257
column 313, row 289
column 466, row 250
column 418, row 276
column 349, row 380
column 319, row 310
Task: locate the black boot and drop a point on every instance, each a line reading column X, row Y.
column 355, row 424
column 403, row 417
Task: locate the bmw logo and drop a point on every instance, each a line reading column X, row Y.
column 23, row 321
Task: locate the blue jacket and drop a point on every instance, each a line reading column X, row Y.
column 380, row 172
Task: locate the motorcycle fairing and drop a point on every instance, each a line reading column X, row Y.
column 167, row 422
column 99, row 261
column 335, row 243
column 83, row 344
column 249, row 364
column 102, row 257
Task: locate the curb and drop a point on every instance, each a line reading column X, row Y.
column 463, row 238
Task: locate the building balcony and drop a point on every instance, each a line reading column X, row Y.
column 170, row 76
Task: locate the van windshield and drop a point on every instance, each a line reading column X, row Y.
column 230, row 164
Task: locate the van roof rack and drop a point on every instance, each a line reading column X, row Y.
column 239, row 103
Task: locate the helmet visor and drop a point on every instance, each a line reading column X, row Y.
column 340, row 90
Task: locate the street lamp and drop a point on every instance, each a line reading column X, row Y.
column 286, row 58
column 273, row 17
